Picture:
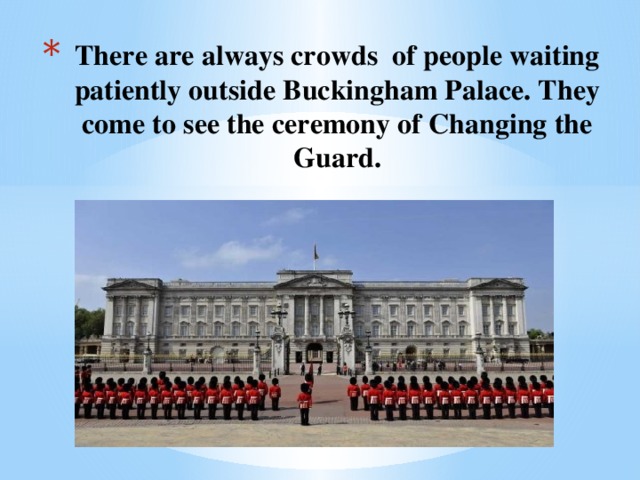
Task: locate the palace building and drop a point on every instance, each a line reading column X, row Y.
column 401, row 320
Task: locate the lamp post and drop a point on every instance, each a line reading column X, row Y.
column 346, row 313
column 479, row 355
column 279, row 313
column 256, row 355
column 347, row 338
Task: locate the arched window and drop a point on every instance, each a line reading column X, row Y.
column 375, row 329
column 218, row 329
column 201, row 329
column 130, row 329
column 184, row 329
column 394, row 328
column 411, row 329
column 462, row 329
column 235, row 329
column 428, row 329
column 359, row 329
column 446, row 329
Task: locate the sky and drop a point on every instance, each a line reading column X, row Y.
column 377, row 240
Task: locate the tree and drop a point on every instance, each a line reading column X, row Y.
column 88, row 323
column 535, row 333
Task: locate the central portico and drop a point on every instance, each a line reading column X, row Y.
column 314, row 300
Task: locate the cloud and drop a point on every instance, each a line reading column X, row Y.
column 234, row 253
column 291, row 216
column 89, row 293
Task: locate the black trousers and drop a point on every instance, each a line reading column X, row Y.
column 304, row 416
column 537, row 410
column 140, row 411
column 226, row 411
column 415, row 411
column 112, row 411
column 275, row 402
column 87, row 410
column 365, row 401
column 445, row 411
column 389, row 412
column 402, row 411
column 240, row 410
column 168, row 410
column 472, row 408
column 154, row 411
column 373, row 410
column 197, row 411
column 354, row 403
column 100, row 410
column 550, row 407
column 254, row 411
column 212, row 410
column 429, row 409
column 486, row 412
column 497, row 408
column 457, row 411
column 524, row 411
column 511, row 408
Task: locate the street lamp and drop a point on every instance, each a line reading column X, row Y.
column 257, row 338
column 368, row 334
column 279, row 313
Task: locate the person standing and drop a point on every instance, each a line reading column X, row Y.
column 471, row 399
column 364, row 390
column 429, row 397
column 375, row 400
column 125, row 400
column 353, row 392
column 389, row 400
column 180, row 395
column 263, row 389
column 304, row 403
column 154, row 397
column 415, row 395
column 166, row 397
column 499, row 397
column 100, row 399
column 302, row 369
column 87, row 398
column 239, row 399
column 253, row 399
column 197, row 400
column 226, row 399
column 486, row 399
column 402, row 399
column 511, row 395
column 456, row 400
column 275, row 392
column 524, row 397
column 212, row 396
column 536, row 399
column 140, row 399
column 548, row 396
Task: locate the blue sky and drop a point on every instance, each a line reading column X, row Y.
column 377, row 240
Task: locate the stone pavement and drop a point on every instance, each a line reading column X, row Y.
column 333, row 424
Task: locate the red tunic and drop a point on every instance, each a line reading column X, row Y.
column 212, row 396
column 388, row 397
column 470, row 397
column 548, row 395
column 304, row 400
column 485, row 397
column 444, row 398
column 415, row 396
column 353, row 391
column 429, row 397
column 275, row 391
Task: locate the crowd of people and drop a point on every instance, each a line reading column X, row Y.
column 453, row 397
column 162, row 396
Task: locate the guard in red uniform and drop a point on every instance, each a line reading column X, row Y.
column 511, row 395
column 140, row 399
column 254, row 399
column 166, row 397
column 524, row 398
column 212, row 397
column 471, row 399
column 226, row 399
column 429, row 398
column 190, row 387
column 444, row 399
column 389, row 400
column 263, row 388
column 364, row 391
column 415, row 398
column 87, row 398
column 536, row 399
column 547, row 395
column 353, row 392
column 197, row 399
column 112, row 398
column 456, row 400
column 304, row 403
column 499, row 397
column 275, row 392
column 239, row 399
column 126, row 400
column 486, row 399
column 100, row 399
column 154, row 397
column 402, row 399
column 374, row 400
column 180, row 396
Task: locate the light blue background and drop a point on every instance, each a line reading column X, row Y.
column 46, row 164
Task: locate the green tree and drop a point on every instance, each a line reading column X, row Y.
column 88, row 322
column 535, row 333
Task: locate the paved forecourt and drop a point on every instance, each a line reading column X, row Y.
column 333, row 424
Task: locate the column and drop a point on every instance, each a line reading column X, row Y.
column 227, row 315
column 321, row 315
column 137, row 327
column 306, row 315
column 492, row 319
column 337, row 325
column 520, row 316
column 505, row 316
column 108, row 316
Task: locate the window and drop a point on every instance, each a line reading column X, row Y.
column 202, row 310
column 168, row 311
column 497, row 309
column 184, row 329
column 485, row 310
column 444, row 309
column 201, row 329
column 359, row 330
column 428, row 309
column 498, row 328
column 235, row 329
column 411, row 310
column 462, row 330
column 270, row 327
column 393, row 329
column 375, row 310
column 461, row 310
column 428, row 329
column 217, row 330
column 485, row 329
column 219, row 311
column 328, row 328
column 185, row 311
column 512, row 329
column 253, row 327
column 235, row 310
column 375, row 330
column 393, row 310
column 131, row 310
column 129, row 332
column 117, row 329
column 118, row 310
column 253, row 310
column 144, row 329
column 328, row 308
column 445, row 329
column 315, row 309
column 411, row 329
column 511, row 310
column 166, row 329
column 359, row 310
column 298, row 329
column 144, row 310
column 299, row 309
column 315, row 329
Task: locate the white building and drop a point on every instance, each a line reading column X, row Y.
column 405, row 320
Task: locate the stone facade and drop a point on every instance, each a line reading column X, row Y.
column 402, row 320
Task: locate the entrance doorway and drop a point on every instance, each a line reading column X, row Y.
column 314, row 353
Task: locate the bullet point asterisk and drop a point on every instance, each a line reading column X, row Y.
column 51, row 47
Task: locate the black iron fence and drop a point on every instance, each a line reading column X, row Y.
column 170, row 363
